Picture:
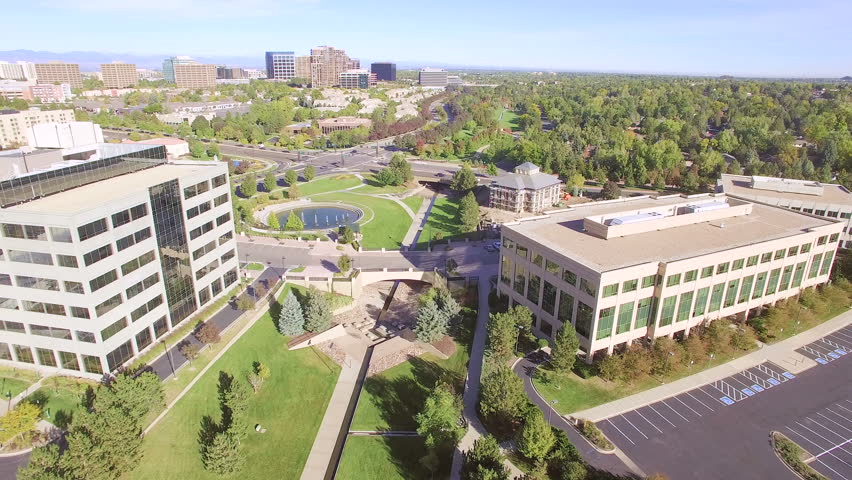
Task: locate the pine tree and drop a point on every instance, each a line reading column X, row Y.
column 464, row 179
column 502, row 395
column 249, row 186
column 291, row 321
column 536, row 437
column 484, row 461
column 224, row 455
column 43, row 465
column 272, row 221
column 564, row 352
column 468, row 212
column 317, row 311
column 431, row 323
column 294, row 222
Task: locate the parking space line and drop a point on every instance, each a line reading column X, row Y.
column 832, row 421
column 733, row 377
column 619, row 431
column 839, row 415
column 634, row 426
column 646, row 419
column 841, row 334
column 833, row 345
column 687, row 406
column 699, row 401
column 756, row 379
column 833, row 470
column 831, row 442
column 661, row 415
column 830, row 430
column 841, row 339
column 701, row 389
column 817, row 445
column 672, row 409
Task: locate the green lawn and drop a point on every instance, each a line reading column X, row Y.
column 13, row 385
column 374, row 187
column 509, row 120
column 383, row 458
column 414, row 202
column 290, row 405
column 328, row 184
column 255, row 266
column 385, row 223
column 442, row 218
column 60, row 398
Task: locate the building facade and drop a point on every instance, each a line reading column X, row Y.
column 195, row 75
column 385, row 71
column 49, row 93
column 328, row 125
column 280, row 65
column 826, row 200
column 303, row 67
column 58, row 73
column 119, row 75
column 357, row 79
column 169, row 66
column 93, row 275
column 64, row 135
column 14, row 123
column 226, row 73
column 642, row 268
column 326, row 65
column 526, row 190
column 17, row 71
column 433, row 77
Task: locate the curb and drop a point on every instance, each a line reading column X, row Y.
column 17, row 454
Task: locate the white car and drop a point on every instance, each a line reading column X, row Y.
column 497, row 244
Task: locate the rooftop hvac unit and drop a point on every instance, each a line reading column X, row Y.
column 705, row 207
column 637, row 218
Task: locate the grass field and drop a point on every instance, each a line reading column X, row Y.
column 60, row 398
column 414, row 202
column 384, row 224
column 11, row 387
column 255, row 266
column 509, row 120
column 374, row 187
column 383, row 458
column 328, row 184
column 290, row 405
column 442, row 218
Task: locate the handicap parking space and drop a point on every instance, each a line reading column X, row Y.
column 827, row 435
column 827, row 349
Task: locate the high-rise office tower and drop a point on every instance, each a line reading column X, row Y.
column 119, row 75
column 169, row 66
column 17, row 71
column 385, row 71
column 433, row 77
column 59, row 72
column 195, row 75
column 326, row 65
column 280, row 65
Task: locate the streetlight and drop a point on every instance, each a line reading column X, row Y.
column 169, row 356
column 282, row 267
column 549, row 412
column 9, row 397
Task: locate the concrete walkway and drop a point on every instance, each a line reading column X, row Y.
column 419, row 222
column 4, row 405
column 318, row 464
column 782, row 354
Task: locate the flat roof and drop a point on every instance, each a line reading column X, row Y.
column 97, row 194
column 562, row 231
column 741, row 185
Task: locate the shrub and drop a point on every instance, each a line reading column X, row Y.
column 594, row 434
column 791, row 453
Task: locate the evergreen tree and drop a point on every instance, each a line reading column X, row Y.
column 438, row 423
column 402, row 168
column 270, row 182
column 536, row 438
column 44, row 464
column 294, row 222
column 309, row 173
column 344, row 263
column 484, row 461
column 610, row 191
column 564, row 352
column 431, row 323
column 468, row 212
column 272, row 221
column 502, row 396
column 249, row 186
column 291, row 177
column 224, row 455
column 317, row 311
column 464, row 179
column 291, row 320
column 492, row 169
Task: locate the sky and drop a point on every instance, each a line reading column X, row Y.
column 780, row 38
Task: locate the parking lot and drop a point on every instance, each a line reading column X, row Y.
column 721, row 430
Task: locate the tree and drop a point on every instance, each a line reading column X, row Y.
column 245, row 302
column 484, row 461
column 189, row 350
column 438, row 422
column 504, row 328
column 291, row 177
column 249, row 186
column 317, row 311
column 20, row 419
column 272, row 221
column 213, row 150
column 388, row 176
column 452, row 265
column 344, row 263
column 536, row 438
column 270, row 182
column 694, row 348
column 610, row 191
column 262, row 370
column 667, row 354
column 208, row 333
column 400, row 165
column 224, row 456
column 309, row 173
column 464, row 179
column 347, row 235
column 468, row 212
column 431, row 323
column 502, row 396
column 291, row 320
column 294, row 222
column 565, row 346
column 44, row 464
column 196, row 149
column 492, row 169
column 293, row 192
column 201, row 126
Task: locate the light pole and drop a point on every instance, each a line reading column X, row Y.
column 550, row 411
column 283, row 268
column 169, row 356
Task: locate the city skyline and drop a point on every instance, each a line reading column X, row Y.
column 732, row 37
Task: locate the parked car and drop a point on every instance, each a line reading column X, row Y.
column 497, row 244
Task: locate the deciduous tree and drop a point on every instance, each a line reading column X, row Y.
column 309, row 173
column 484, row 461
column 502, row 395
column 249, row 186
column 294, row 222
column 291, row 177
column 438, row 422
column 270, row 182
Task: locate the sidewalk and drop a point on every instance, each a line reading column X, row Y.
column 782, row 354
column 19, row 397
column 419, row 222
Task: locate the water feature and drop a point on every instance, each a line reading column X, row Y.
column 321, row 217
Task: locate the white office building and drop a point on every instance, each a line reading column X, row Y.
column 100, row 258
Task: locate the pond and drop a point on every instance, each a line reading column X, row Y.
column 322, row 217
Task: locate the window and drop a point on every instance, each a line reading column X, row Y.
column 610, row 290
column 204, row 250
column 690, row 276
column 584, row 319
column 41, row 307
column 605, row 319
column 716, row 296
column 520, row 279
column 706, row 272
column 5, row 352
column 667, row 312
column 752, row 261
column 92, row 229
column 537, row 259
column 37, row 258
column 533, row 289
column 103, row 280
column 779, row 254
column 142, row 310
column 107, row 305
column 73, row 287
column 199, row 231
column 644, row 311
column 52, row 332
column 792, row 251
column 808, row 210
column 139, row 211
column 46, row 357
column 117, row 357
column 505, row 269
column 566, row 308
column 216, row 286
column 97, row 255
column 521, row 251
column 815, row 264
column 113, row 329
column 649, row 281
column 545, row 327
column 69, row 361
column 774, row 276
column 551, row 267
column 198, row 210
column 684, row 306
column 722, row 268
column 625, row 317
column 785, row 278
column 220, row 200
column 120, row 218
column 629, row 285
column 820, row 213
column 745, row 290
column 92, row 364
column 143, row 285
column 548, row 298
column 28, row 232
column 673, row 280
column 230, row 277
column 569, row 277
column 80, row 312
column 8, row 303
column 24, row 354
column 160, row 327
column 821, row 240
column 833, row 238
column 588, row 288
column 66, row 261
column 759, row 285
column 60, row 234
column 226, row 217
column 738, row 264
column 731, row 294
column 12, row 327
column 86, row 337
column 224, row 238
column 806, row 248
column 5, row 279
column 508, row 243
column 826, row 263
column 130, row 240
column 196, row 189
column 701, row 302
column 203, row 296
column 35, row 282
column 846, row 215
column 833, row 214
column 218, row 180
column 143, row 339
column 138, row 262
column 800, row 274
column 766, row 257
